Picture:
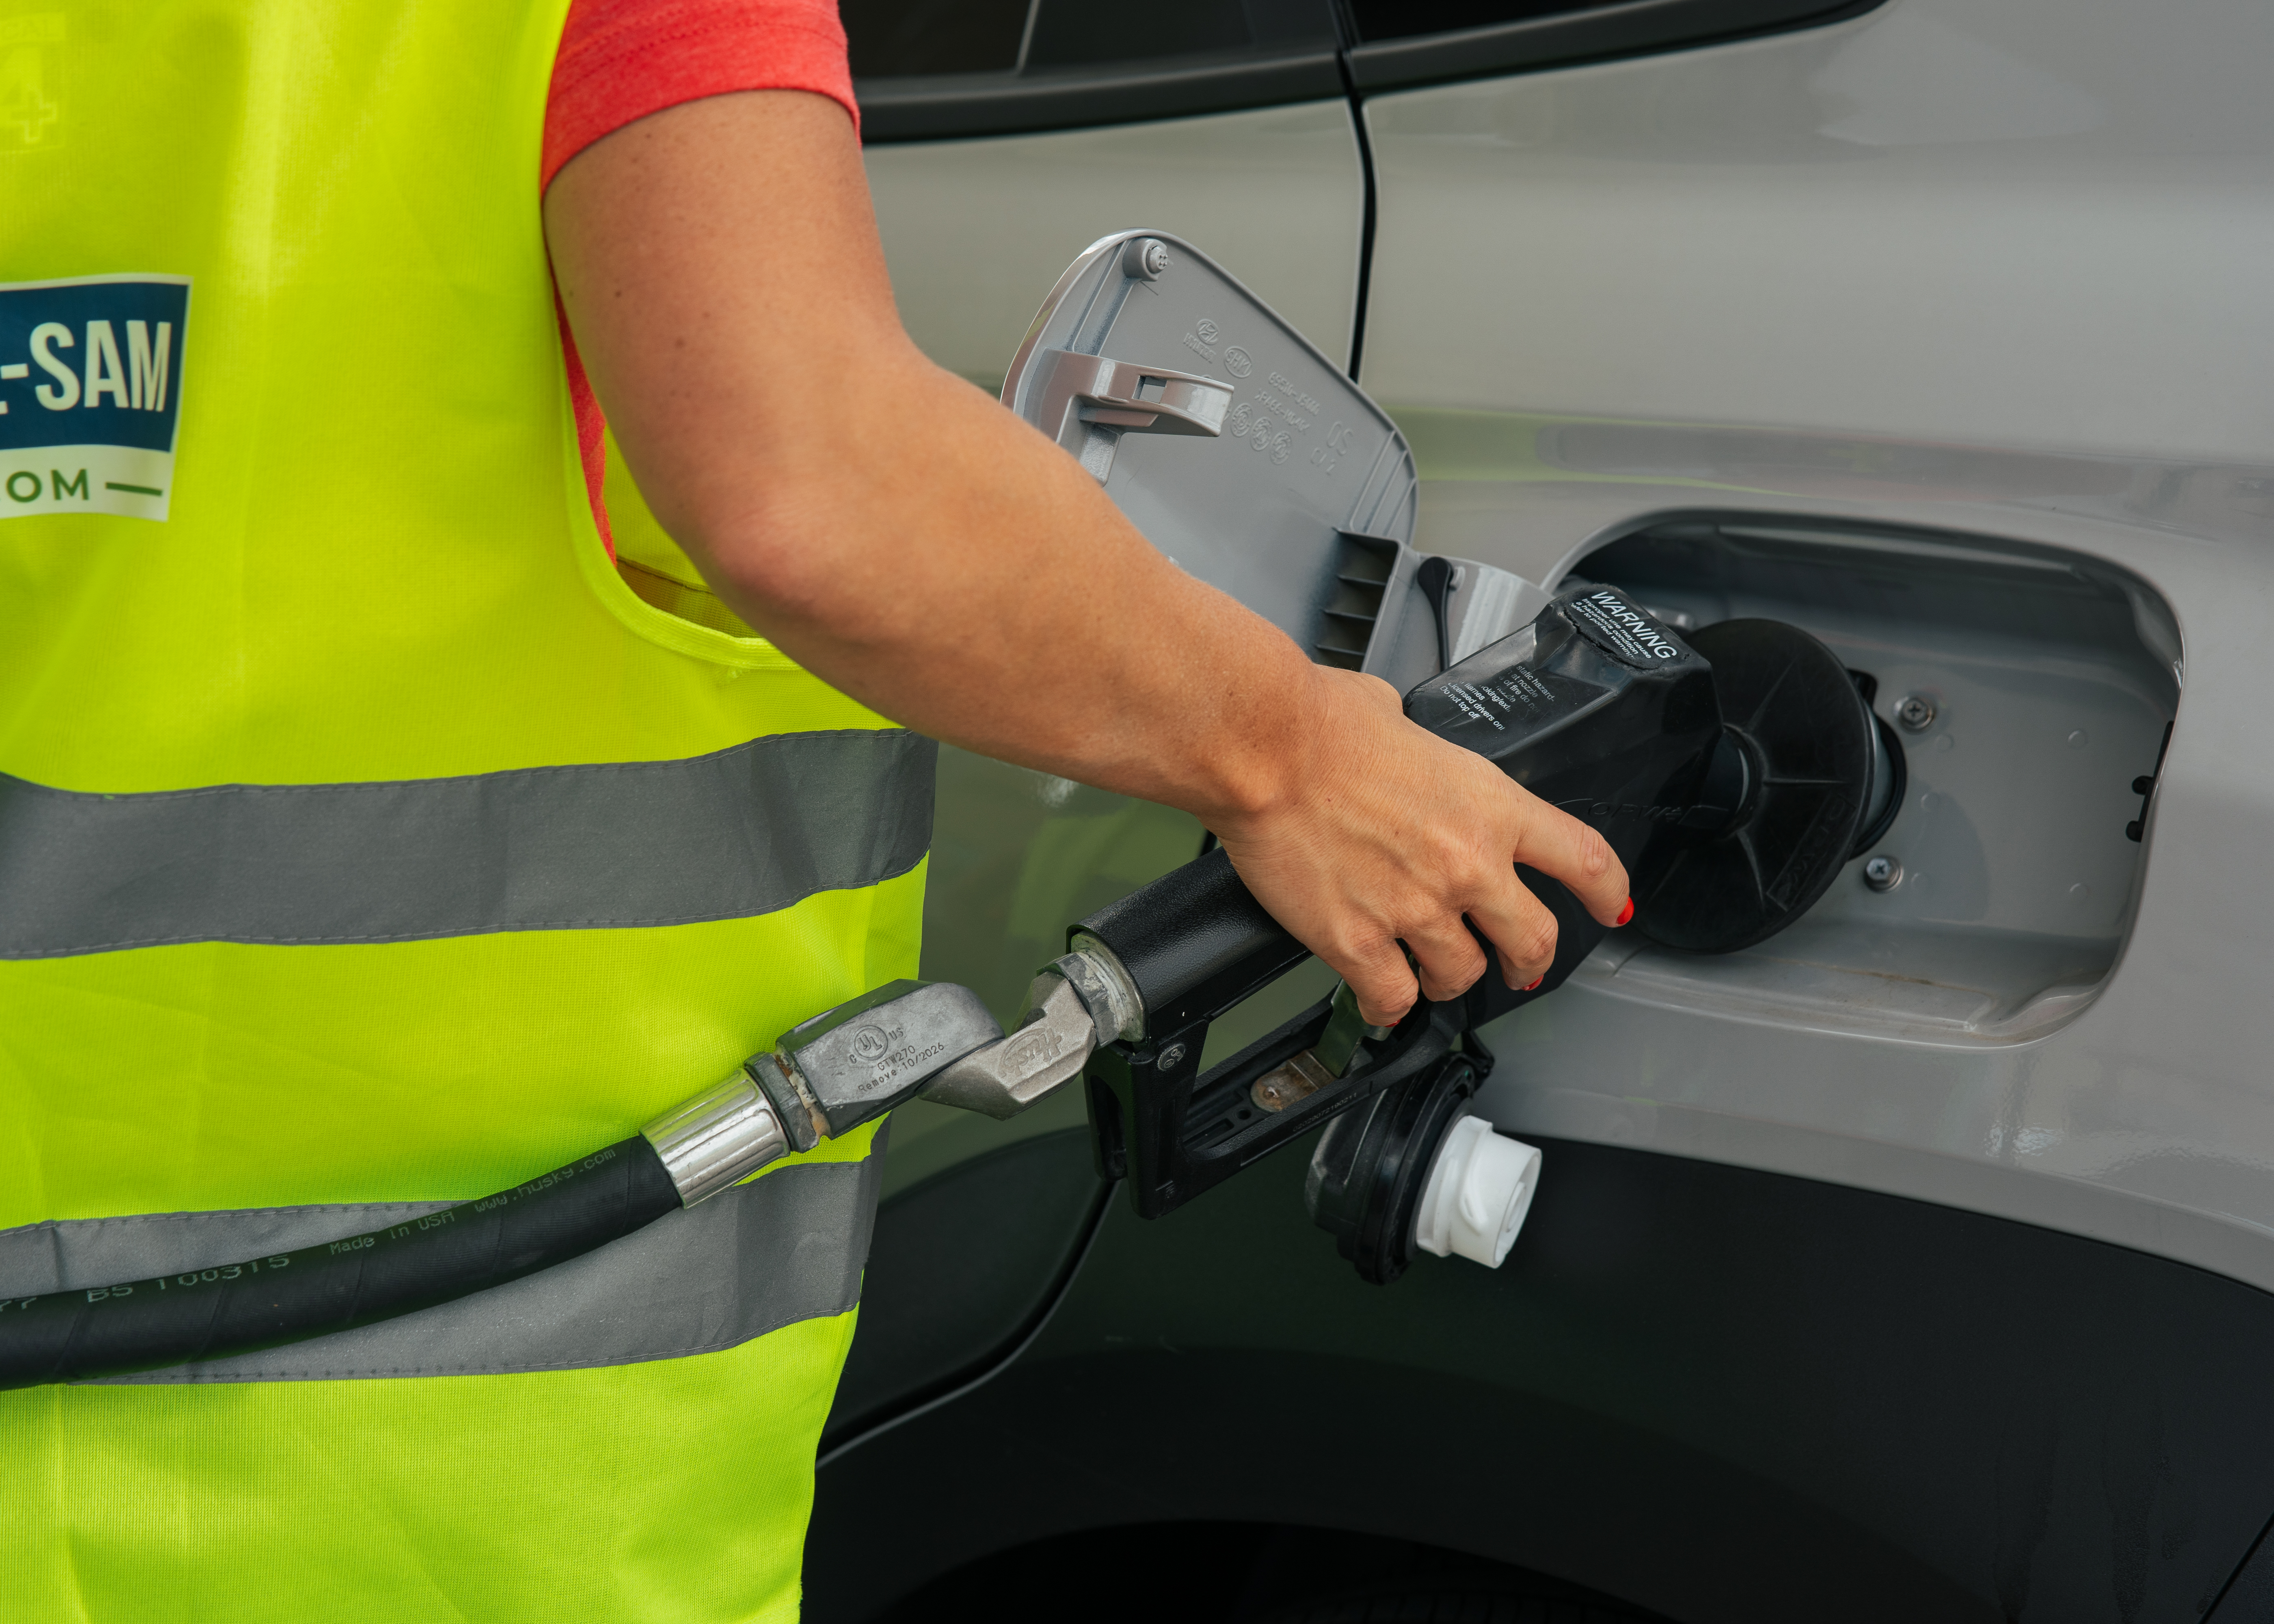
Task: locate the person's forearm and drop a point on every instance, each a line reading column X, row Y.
column 1029, row 620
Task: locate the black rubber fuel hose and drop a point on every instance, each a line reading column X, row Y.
column 211, row 1313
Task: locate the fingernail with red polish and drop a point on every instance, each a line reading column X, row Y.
column 1625, row 914
column 1536, row 980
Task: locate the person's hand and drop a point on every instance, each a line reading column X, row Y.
column 1386, row 834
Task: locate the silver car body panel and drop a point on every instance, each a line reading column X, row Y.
column 2030, row 223
column 976, row 232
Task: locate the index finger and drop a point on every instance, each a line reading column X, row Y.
column 1559, row 844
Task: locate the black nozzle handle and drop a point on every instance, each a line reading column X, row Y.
column 1193, row 942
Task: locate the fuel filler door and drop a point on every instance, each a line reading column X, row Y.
column 1237, row 448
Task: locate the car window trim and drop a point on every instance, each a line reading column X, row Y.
column 947, row 107
column 1638, row 27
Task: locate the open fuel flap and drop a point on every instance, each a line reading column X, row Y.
column 1246, row 457
column 1237, row 448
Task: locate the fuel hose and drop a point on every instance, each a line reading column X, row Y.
column 259, row 1303
column 843, row 1068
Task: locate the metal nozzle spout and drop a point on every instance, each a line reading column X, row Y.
column 1075, row 1004
column 1049, row 1047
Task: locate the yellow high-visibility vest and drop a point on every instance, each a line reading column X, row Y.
column 369, row 839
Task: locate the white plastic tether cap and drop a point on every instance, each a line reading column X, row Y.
column 1479, row 1189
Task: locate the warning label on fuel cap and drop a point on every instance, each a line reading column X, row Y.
column 1621, row 631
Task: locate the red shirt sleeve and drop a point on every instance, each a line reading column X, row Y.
column 621, row 60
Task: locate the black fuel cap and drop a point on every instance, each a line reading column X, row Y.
column 1797, row 754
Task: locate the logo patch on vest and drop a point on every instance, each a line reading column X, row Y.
column 91, row 394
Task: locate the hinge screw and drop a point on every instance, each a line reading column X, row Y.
column 1145, row 259
column 1883, row 872
column 1171, row 1058
column 1915, row 712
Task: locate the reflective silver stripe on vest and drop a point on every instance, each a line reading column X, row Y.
column 738, row 832
column 752, row 1259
